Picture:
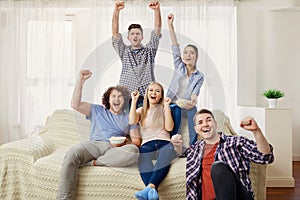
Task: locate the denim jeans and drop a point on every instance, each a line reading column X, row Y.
column 161, row 150
column 177, row 114
column 227, row 184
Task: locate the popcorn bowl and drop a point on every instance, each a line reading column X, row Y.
column 117, row 140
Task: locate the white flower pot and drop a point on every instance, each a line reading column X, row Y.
column 272, row 103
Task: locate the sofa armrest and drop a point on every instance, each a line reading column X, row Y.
column 16, row 166
column 28, row 149
column 258, row 176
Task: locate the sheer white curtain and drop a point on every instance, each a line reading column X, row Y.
column 211, row 25
column 35, row 65
column 44, row 44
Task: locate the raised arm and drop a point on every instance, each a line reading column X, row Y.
column 169, row 123
column 133, row 115
column 250, row 124
column 154, row 4
column 171, row 29
column 177, row 59
column 76, row 103
column 119, row 5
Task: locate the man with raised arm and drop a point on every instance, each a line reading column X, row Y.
column 138, row 60
column 218, row 165
column 107, row 120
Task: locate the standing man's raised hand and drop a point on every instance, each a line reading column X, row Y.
column 119, row 5
column 154, row 5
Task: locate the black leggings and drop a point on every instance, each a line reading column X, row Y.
column 227, row 184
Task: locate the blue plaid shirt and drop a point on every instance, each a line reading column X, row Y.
column 137, row 66
column 236, row 151
column 195, row 81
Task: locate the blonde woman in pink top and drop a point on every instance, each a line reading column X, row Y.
column 156, row 122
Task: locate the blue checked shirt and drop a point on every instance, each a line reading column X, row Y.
column 195, row 81
column 137, row 66
column 236, row 151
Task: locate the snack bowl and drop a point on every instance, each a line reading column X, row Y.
column 183, row 102
column 117, row 140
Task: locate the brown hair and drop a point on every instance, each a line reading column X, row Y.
column 157, row 117
column 203, row 111
column 125, row 92
column 132, row 26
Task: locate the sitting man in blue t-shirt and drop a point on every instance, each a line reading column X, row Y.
column 106, row 121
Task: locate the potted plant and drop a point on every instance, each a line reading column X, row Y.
column 273, row 95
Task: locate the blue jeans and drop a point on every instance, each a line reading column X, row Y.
column 161, row 150
column 227, row 184
column 177, row 114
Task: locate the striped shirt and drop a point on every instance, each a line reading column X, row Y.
column 195, row 80
column 137, row 66
column 236, row 151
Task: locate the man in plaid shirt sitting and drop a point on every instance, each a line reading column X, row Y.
column 218, row 166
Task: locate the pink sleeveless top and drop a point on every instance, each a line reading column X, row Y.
column 148, row 132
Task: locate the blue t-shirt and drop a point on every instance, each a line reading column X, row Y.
column 105, row 124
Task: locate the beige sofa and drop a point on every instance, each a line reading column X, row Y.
column 30, row 167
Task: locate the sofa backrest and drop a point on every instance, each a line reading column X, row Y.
column 223, row 122
column 65, row 127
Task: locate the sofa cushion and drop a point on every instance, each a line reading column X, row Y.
column 104, row 182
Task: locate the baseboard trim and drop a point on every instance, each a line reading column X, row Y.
column 296, row 157
column 280, row 182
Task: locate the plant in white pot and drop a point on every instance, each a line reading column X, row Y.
column 273, row 95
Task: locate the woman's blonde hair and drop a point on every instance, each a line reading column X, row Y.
column 158, row 117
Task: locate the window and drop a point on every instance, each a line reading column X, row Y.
column 50, row 69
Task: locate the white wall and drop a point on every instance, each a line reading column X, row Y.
column 269, row 56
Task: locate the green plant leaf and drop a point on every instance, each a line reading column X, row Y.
column 273, row 94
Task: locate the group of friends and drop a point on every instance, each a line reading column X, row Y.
column 217, row 165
